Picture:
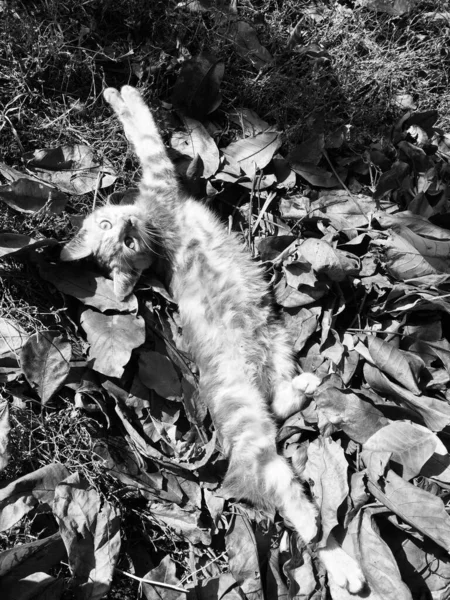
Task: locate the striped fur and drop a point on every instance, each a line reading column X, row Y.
column 247, row 372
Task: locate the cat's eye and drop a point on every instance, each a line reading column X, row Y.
column 105, row 224
column 129, row 243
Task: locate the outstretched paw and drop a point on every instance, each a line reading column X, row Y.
column 306, row 383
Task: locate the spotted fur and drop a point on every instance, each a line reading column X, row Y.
column 248, row 376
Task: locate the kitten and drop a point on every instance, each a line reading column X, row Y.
column 247, row 372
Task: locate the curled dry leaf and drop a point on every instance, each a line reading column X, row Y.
column 91, row 533
column 25, row 493
column 28, row 196
column 44, row 359
column 72, row 169
column 112, row 339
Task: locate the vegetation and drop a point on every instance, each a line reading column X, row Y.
column 321, row 132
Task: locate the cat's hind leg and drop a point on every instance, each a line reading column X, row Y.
column 289, row 390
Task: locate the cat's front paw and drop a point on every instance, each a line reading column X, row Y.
column 306, row 383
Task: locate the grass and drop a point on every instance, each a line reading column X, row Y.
column 57, row 57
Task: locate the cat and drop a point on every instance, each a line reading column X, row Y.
column 248, row 377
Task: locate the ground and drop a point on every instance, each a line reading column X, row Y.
column 336, row 178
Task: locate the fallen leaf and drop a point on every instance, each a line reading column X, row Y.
column 255, row 152
column 91, row 533
column 24, row 559
column 422, row 510
column 337, row 265
column 72, row 169
column 186, row 523
column 392, row 179
column 196, row 141
column 315, row 175
column 247, row 45
column 112, row 339
column 12, row 336
column 157, row 372
column 23, row 494
column 358, row 418
column 327, row 470
column 376, row 559
column 309, row 151
column 28, row 196
column 196, row 91
column 90, row 288
column 248, row 120
column 396, row 363
column 395, row 8
column 165, row 574
column 18, row 244
column 45, row 358
column 242, row 553
column 411, row 445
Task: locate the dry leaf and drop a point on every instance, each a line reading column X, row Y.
column 196, row 141
column 28, row 196
column 253, row 153
column 247, row 45
column 12, row 336
column 72, row 169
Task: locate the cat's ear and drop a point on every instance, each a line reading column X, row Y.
column 124, row 282
column 77, row 248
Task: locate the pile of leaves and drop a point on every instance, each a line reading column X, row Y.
column 357, row 248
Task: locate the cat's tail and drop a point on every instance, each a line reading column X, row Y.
column 259, row 474
column 158, row 172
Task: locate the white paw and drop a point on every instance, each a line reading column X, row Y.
column 306, row 383
column 342, row 569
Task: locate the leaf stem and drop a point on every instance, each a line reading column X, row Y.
column 152, row 582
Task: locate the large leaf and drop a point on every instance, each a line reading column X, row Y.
column 23, row 494
column 28, row 196
column 400, row 365
column 196, row 141
column 335, row 264
column 112, row 339
column 247, row 45
column 315, row 175
column 12, row 336
column 243, row 556
column 377, row 560
column 187, row 523
column 327, row 469
column 25, row 559
column 413, row 222
column 422, row 510
column 45, row 358
column 255, row 152
column 166, row 582
column 72, row 169
column 157, row 372
column 358, row 418
column 411, row 445
column 435, row 413
column 196, row 91
column 91, row 533
column 18, row 244
column 90, row 288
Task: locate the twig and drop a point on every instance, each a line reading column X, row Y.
column 151, row 582
column 266, row 204
column 97, row 185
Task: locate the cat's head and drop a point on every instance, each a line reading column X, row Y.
column 120, row 239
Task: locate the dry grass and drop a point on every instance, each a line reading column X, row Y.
column 57, row 56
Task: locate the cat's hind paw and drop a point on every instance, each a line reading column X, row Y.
column 306, row 383
column 342, row 569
